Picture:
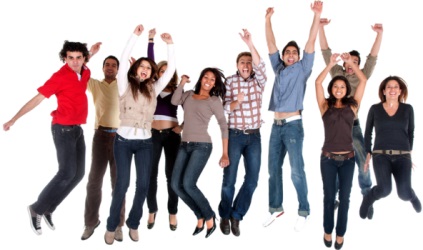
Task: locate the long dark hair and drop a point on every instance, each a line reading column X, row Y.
column 219, row 88
column 141, row 86
column 347, row 99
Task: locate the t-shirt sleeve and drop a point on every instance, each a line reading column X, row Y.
column 50, row 87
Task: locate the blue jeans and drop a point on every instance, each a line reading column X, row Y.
column 248, row 146
column 364, row 180
column 142, row 151
column 190, row 162
column 331, row 171
column 168, row 141
column 287, row 138
column 398, row 166
column 70, row 149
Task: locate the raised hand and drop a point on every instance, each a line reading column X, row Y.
column 184, row 79
column 324, row 21
column 139, row 29
column 334, row 59
column 167, row 38
column 317, row 7
column 246, row 37
column 95, row 48
column 346, row 57
column 269, row 12
column 152, row 33
column 377, row 27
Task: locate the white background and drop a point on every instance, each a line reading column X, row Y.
column 205, row 34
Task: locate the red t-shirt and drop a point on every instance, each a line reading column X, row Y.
column 72, row 102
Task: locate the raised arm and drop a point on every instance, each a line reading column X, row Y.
column 124, row 66
column 270, row 37
column 177, row 95
column 358, row 95
column 378, row 28
column 94, row 49
column 320, row 93
column 150, row 49
column 322, row 36
column 30, row 105
column 246, row 37
column 171, row 64
column 317, row 8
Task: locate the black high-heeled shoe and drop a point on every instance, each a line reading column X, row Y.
column 151, row 225
column 199, row 229
column 339, row 245
column 328, row 243
column 211, row 230
column 172, row 226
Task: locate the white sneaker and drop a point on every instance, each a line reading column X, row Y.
column 301, row 222
column 272, row 218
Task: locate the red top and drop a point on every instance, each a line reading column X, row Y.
column 72, row 102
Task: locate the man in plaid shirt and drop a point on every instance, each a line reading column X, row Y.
column 243, row 102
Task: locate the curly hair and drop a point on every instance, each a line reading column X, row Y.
column 74, row 47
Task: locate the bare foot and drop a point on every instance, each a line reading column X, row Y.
column 151, row 218
column 328, row 237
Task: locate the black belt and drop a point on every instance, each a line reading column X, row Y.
column 338, row 157
column 166, row 130
column 248, row 131
column 391, row 152
column 107, row 129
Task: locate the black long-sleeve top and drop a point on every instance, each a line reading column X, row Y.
column 392, row 132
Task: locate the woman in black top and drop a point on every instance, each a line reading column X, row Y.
column 393, row 122
column 337, row 160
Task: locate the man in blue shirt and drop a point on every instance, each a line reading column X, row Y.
column 286, row 102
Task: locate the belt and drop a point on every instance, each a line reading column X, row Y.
column 391, row 152
column 166, row 130
column 248, row 131
column 107, row 129
column 281, row 122
column 339, row 157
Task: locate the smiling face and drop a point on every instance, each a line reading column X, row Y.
column 245, row 66
column 392, row 91
column 208, row 81
column 110, row 69
column 339, row 89
column 75, row 60
column 290, row 55
column 348, row 68
column 144, row 70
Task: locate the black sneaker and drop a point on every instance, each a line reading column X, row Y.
column 35, row 221
column 370, row 212
column 49, row 221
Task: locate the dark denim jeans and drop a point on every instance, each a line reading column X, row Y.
column 248, row 146
column 364, row 179
column 190, row 162
column 287, row 138
column 332, row 170
column 168, row 141
column 102, row 155
column 70, row 150
column 124, row 149
column 398, row 166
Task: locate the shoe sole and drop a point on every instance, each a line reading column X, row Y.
column 82, row 238
column 51, row 226
column 277, row 216
column 37, row 232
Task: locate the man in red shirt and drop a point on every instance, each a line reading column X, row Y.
column 69, row 85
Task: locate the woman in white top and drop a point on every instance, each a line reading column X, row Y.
column 138, row 90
